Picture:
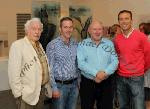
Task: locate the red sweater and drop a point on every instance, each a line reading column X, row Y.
column 133, row 53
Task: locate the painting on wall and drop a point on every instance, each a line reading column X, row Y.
column 81, row 16
column 49, row 14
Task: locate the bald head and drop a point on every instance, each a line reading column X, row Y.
column 95, row 22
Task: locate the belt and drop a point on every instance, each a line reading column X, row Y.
column 66, row 81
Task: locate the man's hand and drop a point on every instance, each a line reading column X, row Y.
column 56, row 94
column 97, row 80
column 101, row 75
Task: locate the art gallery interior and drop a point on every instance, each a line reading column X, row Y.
column 104, row 10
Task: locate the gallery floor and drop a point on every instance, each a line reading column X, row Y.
column 7, row 101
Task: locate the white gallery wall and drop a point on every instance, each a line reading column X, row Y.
column 105, row 10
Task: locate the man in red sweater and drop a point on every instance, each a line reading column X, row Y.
column 133, row 49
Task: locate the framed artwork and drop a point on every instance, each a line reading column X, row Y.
column 81, row 16
column 49, row 14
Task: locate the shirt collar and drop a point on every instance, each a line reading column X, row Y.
column 127, row 36
column 33, row 42
column 61, row 39
column 101, row 41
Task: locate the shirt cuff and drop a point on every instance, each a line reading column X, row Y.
column 94, row 73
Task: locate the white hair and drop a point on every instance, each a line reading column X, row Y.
column 29, row 23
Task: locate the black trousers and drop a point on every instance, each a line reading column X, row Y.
column 99, row 93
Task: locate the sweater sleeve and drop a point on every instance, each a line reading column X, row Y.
column 146, row 50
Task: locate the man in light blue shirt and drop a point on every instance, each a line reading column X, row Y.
column 97, row 60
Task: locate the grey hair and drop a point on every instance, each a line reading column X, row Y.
column 29, row 23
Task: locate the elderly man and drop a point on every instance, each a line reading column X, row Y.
column 97, row 60
column 28, row 68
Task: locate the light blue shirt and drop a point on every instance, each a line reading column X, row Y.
column 93, row 58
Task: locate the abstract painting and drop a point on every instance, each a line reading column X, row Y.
column 81, row 16
column 49, row 14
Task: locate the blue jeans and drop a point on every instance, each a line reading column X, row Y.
column 69, row 96
column 131, row 90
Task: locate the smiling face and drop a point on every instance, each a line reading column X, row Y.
column 66, row 29
column 96, row 31
column 34, row 31
column 125, row 22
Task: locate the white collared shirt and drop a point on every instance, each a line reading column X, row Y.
column 127, row 36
